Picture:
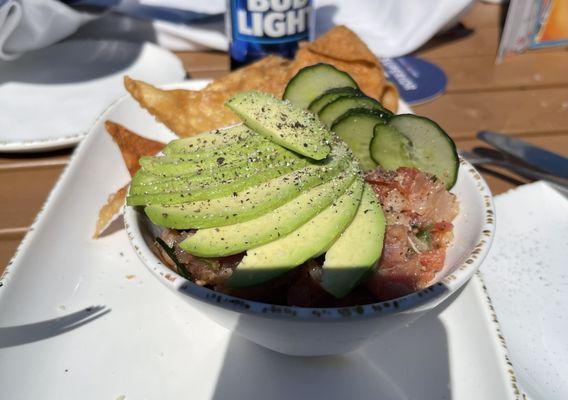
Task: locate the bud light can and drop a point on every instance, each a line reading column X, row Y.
column 259, row 27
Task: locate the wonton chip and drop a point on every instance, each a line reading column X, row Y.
column 185, row 112
column 132, row 147
column 110, row 210
column 343, row 44
column 188, row 112
column 270, row 75
column 389, row 97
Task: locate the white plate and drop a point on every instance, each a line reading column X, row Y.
column 49, row 98
column 142, row 341
column 527, row 277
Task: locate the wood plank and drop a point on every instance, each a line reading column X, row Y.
column 528, row 70
column 23, row 193
column 535, row 111
column 463, row 41
column 8, row 246
column 208, row 74
column 460, row 43
column 203, row 61
column 33, row 160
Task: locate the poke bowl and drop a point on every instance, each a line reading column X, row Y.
column 315, row 331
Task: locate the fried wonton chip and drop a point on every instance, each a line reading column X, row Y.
column 269, row 74
column 111, row 210
column 132, row 147
column 343, row 44
column 389, row 97
column 185, row 112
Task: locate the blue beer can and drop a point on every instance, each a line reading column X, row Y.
column 259, row 27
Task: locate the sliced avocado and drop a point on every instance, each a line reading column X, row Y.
column 355, row 127
column 357, row 250
column 190, row 191
column 167, row 166
column 309, row 240
column 253, row 202
column 144, row 183
column 254, row 141
column 210, row 140
column 282, row 122
column 234, row 239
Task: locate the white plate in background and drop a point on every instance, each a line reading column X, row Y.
column 49, row 98
column 142, row 342
column 527, row 276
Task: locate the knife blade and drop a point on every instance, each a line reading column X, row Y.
column 533, row 155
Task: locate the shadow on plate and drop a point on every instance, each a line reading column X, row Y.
column 406, row 364
column 71, row 61
column 29, row 333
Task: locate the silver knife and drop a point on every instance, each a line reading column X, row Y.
column 537, row 157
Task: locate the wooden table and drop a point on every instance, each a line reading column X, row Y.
column 526, row 96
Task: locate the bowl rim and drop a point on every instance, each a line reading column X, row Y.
column 413, row 302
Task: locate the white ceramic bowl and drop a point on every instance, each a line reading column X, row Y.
column 319, row 331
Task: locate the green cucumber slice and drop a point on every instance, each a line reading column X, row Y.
column 330, row 95
column 312, row 81
column 412, row 141
column 389, row 148
column 331, row 112
column 355, row 127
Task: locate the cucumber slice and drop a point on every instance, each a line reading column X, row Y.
column 312, row 81
column 330, row 113
column 331, row 95
column 355, row 127
column 412, row 141
column 389, row 148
